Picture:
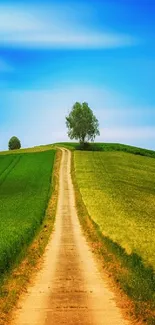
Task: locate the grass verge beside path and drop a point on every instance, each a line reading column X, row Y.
column 16, row 281
column 134, row 281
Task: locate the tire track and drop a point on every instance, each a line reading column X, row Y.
column 8, row 169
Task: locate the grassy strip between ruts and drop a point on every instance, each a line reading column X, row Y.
column 121, row 269
column 17, row 280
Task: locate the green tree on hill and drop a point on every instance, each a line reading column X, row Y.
column 82, row 124
column 14, row 143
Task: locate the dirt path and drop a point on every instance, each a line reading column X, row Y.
column 69, row 289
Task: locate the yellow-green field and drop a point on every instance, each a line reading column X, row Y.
column 28, row 150
column 118, row 190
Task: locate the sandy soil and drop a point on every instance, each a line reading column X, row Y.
column 69, row 289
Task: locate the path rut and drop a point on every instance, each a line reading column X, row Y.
column 69, row 289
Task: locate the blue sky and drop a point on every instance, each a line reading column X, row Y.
column 54, row 53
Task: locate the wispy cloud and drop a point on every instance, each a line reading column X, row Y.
column 35, row 28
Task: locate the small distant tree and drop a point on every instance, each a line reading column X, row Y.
column 14, row 143
column 82, row 124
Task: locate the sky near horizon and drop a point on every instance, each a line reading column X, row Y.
column 54, row 53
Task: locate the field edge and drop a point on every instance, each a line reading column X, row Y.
column 16, row 282
column 108, row 147
column 139, row 312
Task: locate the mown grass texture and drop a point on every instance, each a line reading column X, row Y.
column 24, row 192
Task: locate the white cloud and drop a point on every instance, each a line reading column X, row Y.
column 35, row 28
column 64, row 40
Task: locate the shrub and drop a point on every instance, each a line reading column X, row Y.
column 14, row 143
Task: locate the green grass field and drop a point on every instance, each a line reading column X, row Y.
column 118, row 190
column 25, row 182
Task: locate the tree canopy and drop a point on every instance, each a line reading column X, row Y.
column 14, row 143
column 81, row 123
